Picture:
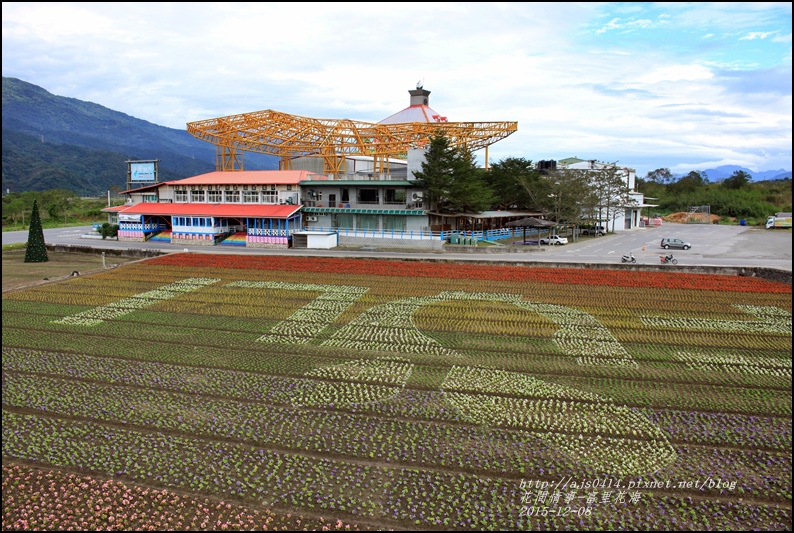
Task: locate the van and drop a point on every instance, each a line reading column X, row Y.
column 593, row 230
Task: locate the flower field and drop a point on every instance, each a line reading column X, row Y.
column 204, row 391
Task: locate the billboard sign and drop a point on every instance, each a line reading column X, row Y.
column 142, row 171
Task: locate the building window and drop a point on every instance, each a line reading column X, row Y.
column 394, row 222
column 341, row 220
column 180, row 196
column 197, row 196
column 215, row 197
column 273, row 187
column 367, row 222
column 368, row 196
column 345, row 195
column 269, row 197
column 289, row 187
column 394, row 196
column 231, row 197
column 250, row 197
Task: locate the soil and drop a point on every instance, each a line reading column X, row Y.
column 683, row 217
column 61, row 266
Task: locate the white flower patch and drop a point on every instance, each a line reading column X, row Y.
column 359, row 382
column 384, row 371
column 582, row 336
column 615, row 455
column 113, row 310
column 768, row 320
column 493, row 381
column 616, row 439
column 307, row 322
column 764, row 366
column 390, row 327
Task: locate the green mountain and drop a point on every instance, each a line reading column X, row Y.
column 54, row 142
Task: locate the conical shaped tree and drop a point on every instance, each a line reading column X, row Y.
column 36, row 251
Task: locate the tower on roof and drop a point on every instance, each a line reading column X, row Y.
column 418, row 111
column 419, row 96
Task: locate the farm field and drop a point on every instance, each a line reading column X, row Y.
column 204, row 391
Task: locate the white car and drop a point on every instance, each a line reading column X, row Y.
column 554, row 239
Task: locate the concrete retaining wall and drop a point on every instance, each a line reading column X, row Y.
column 132, row 252
column 430, row 245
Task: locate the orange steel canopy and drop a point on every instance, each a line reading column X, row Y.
column 289, row 136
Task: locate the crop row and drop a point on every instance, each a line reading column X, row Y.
column 656, row 388
column 410, row 443
column 624, row 302
column 691, row 426
column 736, row 367
column 467, row 448
column 52, row 500
column 415, row 497
column 570, row 341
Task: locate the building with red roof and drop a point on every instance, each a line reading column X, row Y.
column 259, row 208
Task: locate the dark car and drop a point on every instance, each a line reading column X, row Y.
column 668, row 243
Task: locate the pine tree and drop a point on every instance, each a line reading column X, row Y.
column 436, row 176
column 451, row 179
column 36, row 251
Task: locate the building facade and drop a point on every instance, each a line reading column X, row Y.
column 251, row 208
column 620, row 213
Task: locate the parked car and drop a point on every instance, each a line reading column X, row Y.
column 554, row 239
column 593, row 230
column 675, row 243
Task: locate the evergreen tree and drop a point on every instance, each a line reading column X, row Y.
column 437, row 177
column 470, row 193
column 451, row 179
column 36, row 251
column 513, row 181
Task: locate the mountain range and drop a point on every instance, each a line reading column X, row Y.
column 55, row 142
column 726, row 171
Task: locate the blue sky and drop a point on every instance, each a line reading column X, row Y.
column 684, row 86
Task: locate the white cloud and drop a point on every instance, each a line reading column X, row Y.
column 757, row 35
column 675, row 73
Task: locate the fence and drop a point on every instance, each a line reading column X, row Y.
column 699, row 214
column 488, row 235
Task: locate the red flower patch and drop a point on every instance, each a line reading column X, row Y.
column 427, row 269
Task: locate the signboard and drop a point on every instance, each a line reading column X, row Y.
column 143, row 171
column 129, row 218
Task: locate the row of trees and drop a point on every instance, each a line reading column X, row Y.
column 56, row 206
column 453, row 183
column 736, row 196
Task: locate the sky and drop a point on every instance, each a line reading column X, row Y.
column 680, row 85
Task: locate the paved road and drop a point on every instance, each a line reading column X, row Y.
column 712, row 245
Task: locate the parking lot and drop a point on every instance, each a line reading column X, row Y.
column 712, row 245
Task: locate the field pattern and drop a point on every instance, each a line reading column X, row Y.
column 202, row 391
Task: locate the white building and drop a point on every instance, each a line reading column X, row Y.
column 625, row 214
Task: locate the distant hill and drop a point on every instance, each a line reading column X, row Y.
column 726, row 171
column 54, row 142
